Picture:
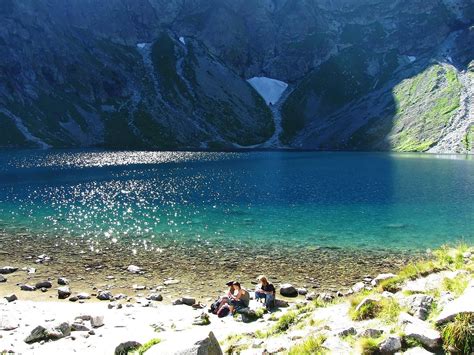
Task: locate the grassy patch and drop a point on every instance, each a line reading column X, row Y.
column 312, row 345
column 456, row 285
column 145, row 347
column 458, row 336
column 368, row 346
column 386, row 309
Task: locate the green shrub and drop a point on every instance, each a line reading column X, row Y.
column 311, row 346
column 369, row 346
column 285, row 322
column 387, row 309
column 145, row 347
column 458, row 336
column 456, row 285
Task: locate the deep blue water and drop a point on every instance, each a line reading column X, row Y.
column 311, row 199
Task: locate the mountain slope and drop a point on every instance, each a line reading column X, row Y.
column 172, row 74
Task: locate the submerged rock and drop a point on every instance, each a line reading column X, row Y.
column 288, row 290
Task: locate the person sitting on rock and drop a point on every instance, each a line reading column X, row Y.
column 240, row 299
column 265, row 291
column 222, row 300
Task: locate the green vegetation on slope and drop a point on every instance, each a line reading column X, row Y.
column 469, row 139
column 425, row 104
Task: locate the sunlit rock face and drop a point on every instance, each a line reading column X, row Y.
column 73, row 75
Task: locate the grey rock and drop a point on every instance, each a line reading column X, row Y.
column 371, row 333
column 2, row 279
column 83, row 296
column 194, row 344
column 105, row 296
column 171, row 282
column 63, row 281
column 188, row 301
column 155, row 297
column 8, row 270
column 44, row 284
column 64, row 292
column 415, row 328
column 359, row 286
column 73, row 299
column 344, row 330
column 134, row 269
column 27, row 288
column 325, row 296
column 302, row 291
column 44, row 334
column 418, row 305
column 139, row 287
column 10, row 298
column 288, row 290
column 311, row 296
column 391, row 345
column 462, row 304
column 127, row 347
column 281, row 303
column 97, row 321
column 79, row 327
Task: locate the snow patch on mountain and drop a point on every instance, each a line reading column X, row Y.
column 270, row 89
column 181, row 39
column 141, row 45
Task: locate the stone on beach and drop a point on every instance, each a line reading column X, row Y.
column 170, row 282
column 97, row 321
column 44, row 284
column 2, row 279
column 359, row 286
column 105, row 296
column 63, row 281
column 390, row 345
column 418, row 305
column 155, row 297
column 196, row 344
column 188, row 301
column 8, row 270
column 64, row 292
column 126, row 347
column 370, row 333
column 134, row 269
column 288, row 290
column 463, row 304
column 415, row 328
column 25, row 287
column 41, row 333
column 83, row 296
column 11, row 298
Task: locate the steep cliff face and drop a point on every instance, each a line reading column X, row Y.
column 172, row 74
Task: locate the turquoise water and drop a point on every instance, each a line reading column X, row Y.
column 288, row 199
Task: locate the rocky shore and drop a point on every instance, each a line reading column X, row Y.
column 421, row 309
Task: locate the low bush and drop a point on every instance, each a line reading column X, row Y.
column 369, row 346
column 458, row 336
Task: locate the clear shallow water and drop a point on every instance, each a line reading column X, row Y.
column 288, row 199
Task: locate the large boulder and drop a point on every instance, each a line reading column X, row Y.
column 64, row 292
column 105, row 296
column 416, row 329
column 197, row 343
column 463, row 304
column 41, row 333
column 418, row 305
column 288, row 290
column 11, row 297
column 44, row 284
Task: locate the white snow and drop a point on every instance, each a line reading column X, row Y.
column 141, row 45
column 411, row 58
column 270, row 89
column 181, row 39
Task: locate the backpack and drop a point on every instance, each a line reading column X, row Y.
column 215, row 306
column 223, row 311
